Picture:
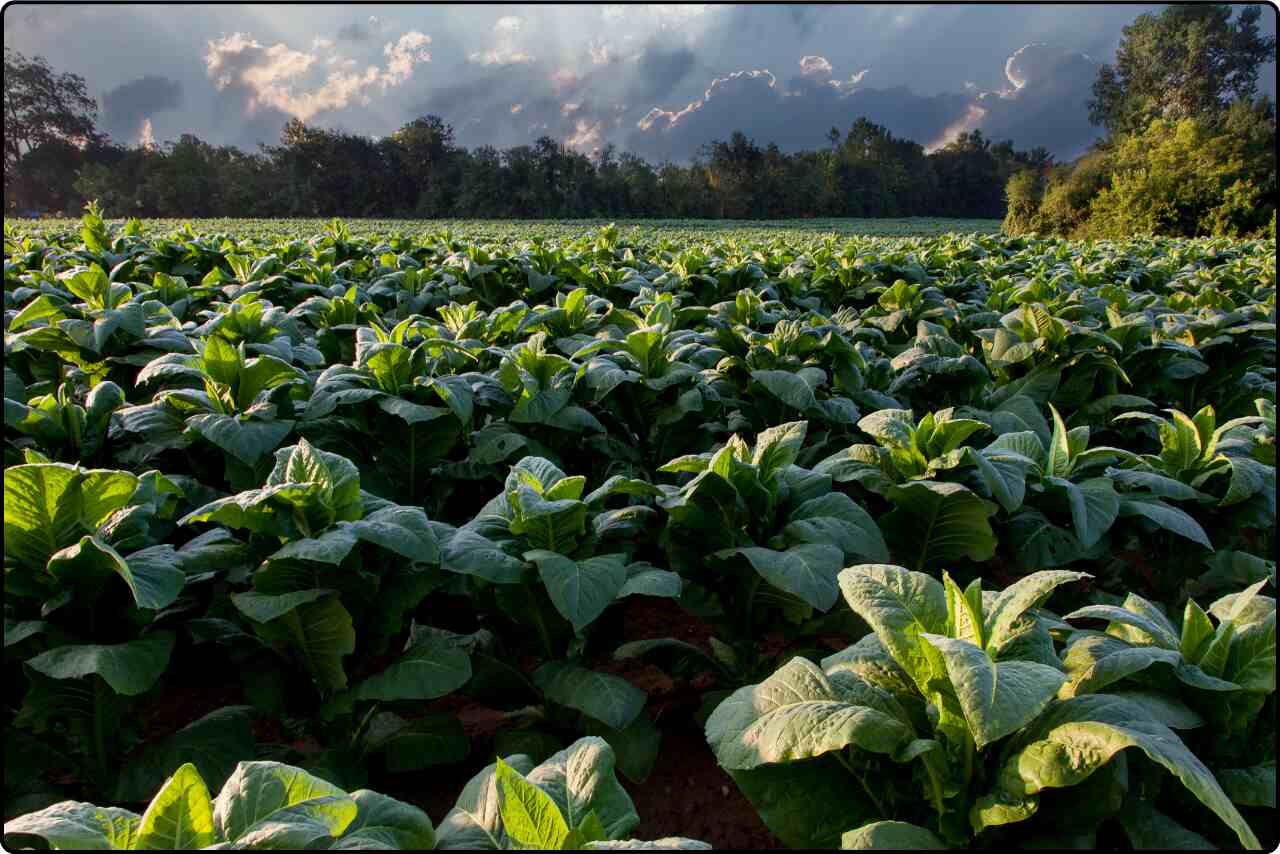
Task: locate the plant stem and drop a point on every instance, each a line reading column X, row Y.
column 99, row 735
column 543, row 634
column 750, row 603
column 862, row 781
column 413, row 463
column 935, row 783
column 355, row 736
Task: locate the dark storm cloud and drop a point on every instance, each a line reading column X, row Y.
column 1047, row 102
column 125, row 107
column 658, row 71
column 795, row 115
column 1044, row 102
column 504, row 106
column 588, row 74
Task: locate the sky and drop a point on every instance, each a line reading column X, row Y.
column 656, row 80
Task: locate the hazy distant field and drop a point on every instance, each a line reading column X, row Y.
column 675, row 229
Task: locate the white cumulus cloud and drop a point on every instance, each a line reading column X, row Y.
column 279, row 76
column 504, row 51
column 811, row 65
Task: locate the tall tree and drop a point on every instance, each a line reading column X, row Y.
column 41, row 106
column 1189, row 61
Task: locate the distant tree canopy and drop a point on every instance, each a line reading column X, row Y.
column 42, row 108
column 420, row 171
column 1190, row 150
column 1190, row 61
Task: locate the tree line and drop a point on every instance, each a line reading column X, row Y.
column 55, row 160
column 1189, row 150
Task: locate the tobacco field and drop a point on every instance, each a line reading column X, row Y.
column 568, row 537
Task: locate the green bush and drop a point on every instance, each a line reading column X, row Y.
column 1023, row 193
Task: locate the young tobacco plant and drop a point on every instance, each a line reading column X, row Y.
column 941, row 728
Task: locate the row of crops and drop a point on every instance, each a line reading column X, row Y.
column 566, row 230
column 956, row 541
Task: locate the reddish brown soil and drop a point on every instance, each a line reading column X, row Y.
column 178, row 705
column 645, row 617
column 688, row 794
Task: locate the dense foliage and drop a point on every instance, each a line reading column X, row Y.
column 344, row 483
column 1190, row 177
column 1190, row 151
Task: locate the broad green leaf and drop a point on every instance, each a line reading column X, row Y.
column 934, row 522
column 609, row 699
column 777, row 447
column 424, row 672
column 1016, row 599
column 469, row 553
column 48, row 506
column 77, row 826
column 580, row 590
column 835, row 519
column 331, row 547
column 790, row 388
column 16, row 631
column 337, row 477
column 808, row 804
column 1166, row 709
column 403, row 530
column 808, row 571
column 1251, row 787
column 383, row 823
column 1152, row 629
column 1247, row 478
column 1244, row 607
column 529, row 816
column 1003, row 473
column 890, row 834
column 1058, row 458
column 635, row 747
column 129, row 668
column 154, row 576
column 475, row 822
column 1251, row 661
column 1149, row 829
column 213, row 744
column 580, row 781
column 267, row 804
column 1169, row 518
column 246, row 440
column 645, row 580
column 1095, row 661
column 1155, row 483
column 872, row 663
column 997, row 698
column 900, row 606
column 1074, row 737
column 180, row 816
column 263, row 608
column 222, row 362
column 798, row 713
column 890, row 426
column 1197, row 630
column 1094, row 506
column 322, row 634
